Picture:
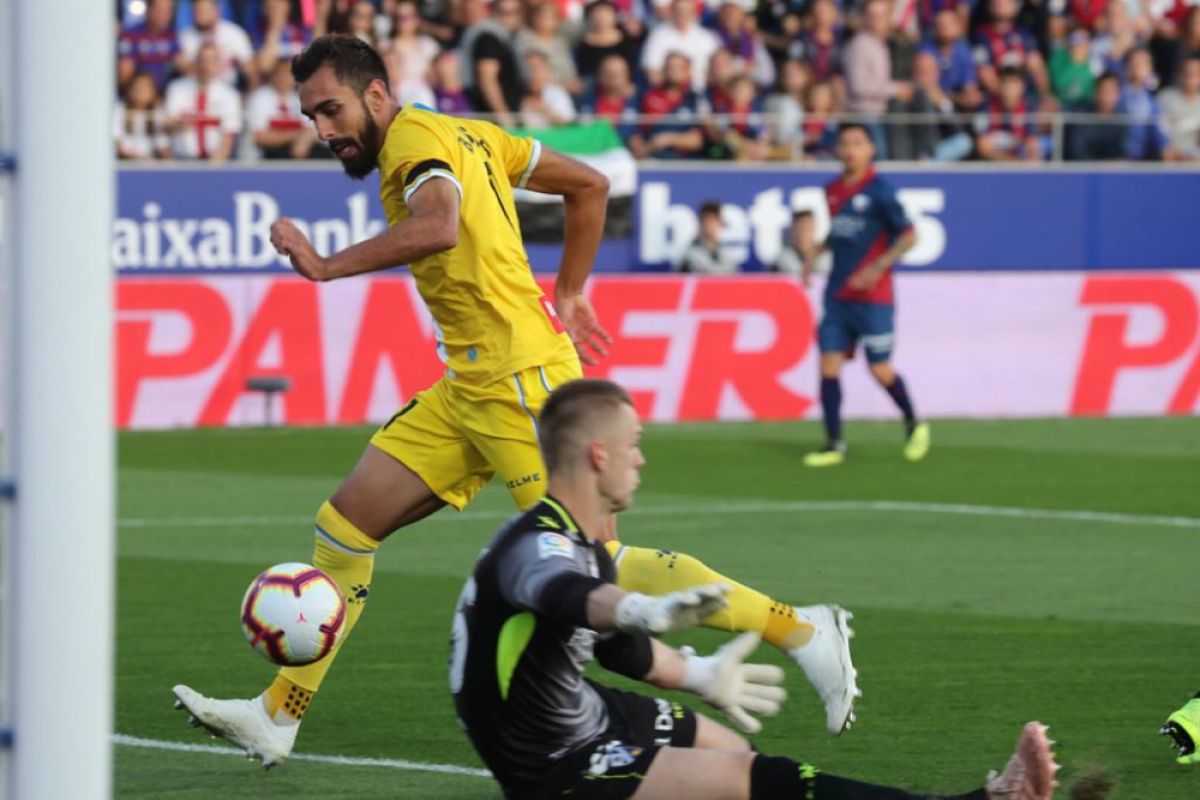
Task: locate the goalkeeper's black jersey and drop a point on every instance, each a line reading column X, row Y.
column 516, row 666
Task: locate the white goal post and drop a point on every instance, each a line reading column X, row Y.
column 58, row 600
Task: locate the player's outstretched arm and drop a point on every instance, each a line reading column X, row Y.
column 431, row 228
column 585, row 197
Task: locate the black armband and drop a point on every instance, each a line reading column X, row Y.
column 628, row 654
column 565, row 598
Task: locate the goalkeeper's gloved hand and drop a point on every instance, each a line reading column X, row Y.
column 736, row 689
column 669, row 612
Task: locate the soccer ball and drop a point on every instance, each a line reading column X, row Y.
column 293, row 614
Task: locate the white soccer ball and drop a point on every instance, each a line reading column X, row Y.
column 293, row 614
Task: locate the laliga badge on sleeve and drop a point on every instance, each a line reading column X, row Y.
column 555, row 544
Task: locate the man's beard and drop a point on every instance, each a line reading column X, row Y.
column 362, row 163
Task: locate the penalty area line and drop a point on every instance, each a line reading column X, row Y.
column 125, row 740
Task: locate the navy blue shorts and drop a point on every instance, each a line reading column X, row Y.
column 845, row 324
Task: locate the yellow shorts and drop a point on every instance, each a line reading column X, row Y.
column 456, row 436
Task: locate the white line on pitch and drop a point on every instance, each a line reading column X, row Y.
column 343, row 761
column 746, row 507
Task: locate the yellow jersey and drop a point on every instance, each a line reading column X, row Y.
column 492, row 318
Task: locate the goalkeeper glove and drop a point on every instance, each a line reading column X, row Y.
column 734, row 688
column 669, row 612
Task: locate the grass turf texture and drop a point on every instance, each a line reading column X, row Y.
column 967, row 625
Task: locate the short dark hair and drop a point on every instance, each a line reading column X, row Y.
column 571, row 415
column 855, row 126
column 1108, row 75
column 592, row 6
column 354, row 61
column 803, row 213
column 710, row 208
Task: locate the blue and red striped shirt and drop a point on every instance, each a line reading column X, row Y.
column 864, row 219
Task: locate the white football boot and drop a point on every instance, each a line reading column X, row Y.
column 1029, row 774
column 825, row 659
column 245, row 723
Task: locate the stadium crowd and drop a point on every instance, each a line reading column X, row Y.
column 997, row 80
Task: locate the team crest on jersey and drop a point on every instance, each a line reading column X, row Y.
column 613, row 755
column 555, row 544
column 860, row 202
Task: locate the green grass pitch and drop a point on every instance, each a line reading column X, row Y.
column 968, row 623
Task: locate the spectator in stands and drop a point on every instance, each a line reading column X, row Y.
column 739, row 132
column 869, row 84
column 1100, row 140
column 235, row 56
column 545, row 36
column 820, row 129
column 443, row 20
column 779, row 24
column 820, row 46
column 280, row 36
column 1175, row 52
column 675, row 131
column 786, row 110
column 494, row 82
column 614, row 97
column 942, row 138
column 203, row 111
column 1116, row 37
column 679, row 33
column 705, row 256
column 407, row 85
column 416, row 50
column 1181, row 111
column 139, row 122
column 1071, row 70
column 361, row 22
column 1146, row 139
column 1003, row 131
column 448, row 92
column 722, row 69
column 1000, row 43
column 603, row 37
column 737, row 35
column 801, row 239
column 956, row 64
column 928, row 12
column 546, row 104
column 152, row 47
column 273, row 118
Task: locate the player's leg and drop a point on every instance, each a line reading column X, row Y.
column 834, row 451
column 414, row 465
column 816, row 637
column 732, row 775
column 836, row 337
column 381, row 495
column 878, row 342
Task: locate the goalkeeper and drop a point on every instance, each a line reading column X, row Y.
column 541, row 604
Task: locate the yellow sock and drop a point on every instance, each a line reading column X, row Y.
column 640, row 569
column 347, row 555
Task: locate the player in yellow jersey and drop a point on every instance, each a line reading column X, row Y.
column 447, row 188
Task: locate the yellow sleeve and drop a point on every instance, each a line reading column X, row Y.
column 519, row 155
column 415, row 156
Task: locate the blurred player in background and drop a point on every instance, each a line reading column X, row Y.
column 868, row 234
column 447, row 188
column 542, row 602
